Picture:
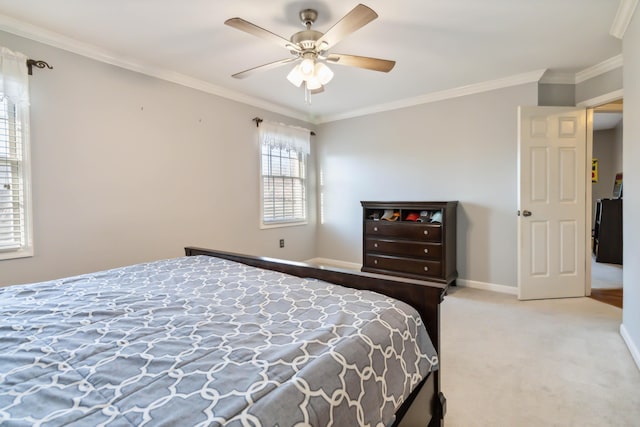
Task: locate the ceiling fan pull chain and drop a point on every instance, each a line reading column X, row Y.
column 307, row 94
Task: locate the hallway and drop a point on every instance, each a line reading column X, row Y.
column 606, row 283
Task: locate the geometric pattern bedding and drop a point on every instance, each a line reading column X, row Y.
column 201, row 341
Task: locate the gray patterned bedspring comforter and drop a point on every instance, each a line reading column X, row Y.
column 201, row 341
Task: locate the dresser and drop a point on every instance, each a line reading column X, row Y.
column 607, row 231
column 410, row 239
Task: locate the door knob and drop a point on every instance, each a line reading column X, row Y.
column 526, row 213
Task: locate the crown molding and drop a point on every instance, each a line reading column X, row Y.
column 557, row 78
column 552, row 77
column 601, row 68
column 59, row 41
column 23, row 29
column 623, row 17
column 530, row 77
column 602, row 99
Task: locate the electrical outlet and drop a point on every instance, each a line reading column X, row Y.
column 282, row 243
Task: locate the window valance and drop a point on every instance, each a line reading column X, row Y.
column 285, row 136
column 14, row 84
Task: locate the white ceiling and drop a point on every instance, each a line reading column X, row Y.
column 439, row 45
column 604, row 121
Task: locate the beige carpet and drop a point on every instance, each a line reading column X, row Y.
column 536, row 363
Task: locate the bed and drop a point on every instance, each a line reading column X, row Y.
column 217, row 338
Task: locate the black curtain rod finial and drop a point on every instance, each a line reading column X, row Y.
column 39, row 64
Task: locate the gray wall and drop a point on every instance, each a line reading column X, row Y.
column 631, row 207
column 460, row 149
column 550, row 94
column 604, row 83
column 129, row 168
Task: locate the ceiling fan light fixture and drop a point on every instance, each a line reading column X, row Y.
column 323, row 73
column 307, row 67
column 313, row 83
column 295, row 76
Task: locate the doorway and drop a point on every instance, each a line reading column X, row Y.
column 606, row 195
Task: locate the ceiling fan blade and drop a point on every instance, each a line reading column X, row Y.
column 317, row 91
column 374, row 64
column 248, row 27
column 250, row 71
column 359, row 16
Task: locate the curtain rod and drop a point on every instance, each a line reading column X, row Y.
column 258, row 120
column 36, row 63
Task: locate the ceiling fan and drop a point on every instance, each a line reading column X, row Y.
column 310, row 48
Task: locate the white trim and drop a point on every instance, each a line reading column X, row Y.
column 602, row 99
column 623, row 17
column 511, row 290
column 281, row 224
column 328, row 262
column 552, row 77
column 530, row 77
column 635, row 352
column 588, row 223
column 57, row 40
column 600, row 68
column 22, row 118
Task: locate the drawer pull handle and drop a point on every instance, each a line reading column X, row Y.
column 375, row 261
column 426, row 232
column 426, row 268
column 375, row 245
column 426, row 251
column 375, row 228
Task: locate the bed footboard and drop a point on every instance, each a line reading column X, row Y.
column 424, row 296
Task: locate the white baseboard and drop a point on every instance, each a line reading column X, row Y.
column 635, row 352
column 334, row 263
column 487, row 286
column 460, row 282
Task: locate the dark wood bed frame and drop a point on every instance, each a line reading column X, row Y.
column 426, row 405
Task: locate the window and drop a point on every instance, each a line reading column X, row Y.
column 284, row 150
column 15, row 215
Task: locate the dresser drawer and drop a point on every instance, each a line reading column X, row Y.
column 398, row 247
column 413, row 231
column 425, row 268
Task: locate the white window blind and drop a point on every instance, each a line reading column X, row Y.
column 15, row 226
column 284, row 151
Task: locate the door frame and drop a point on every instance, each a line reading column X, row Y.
column 589, row 104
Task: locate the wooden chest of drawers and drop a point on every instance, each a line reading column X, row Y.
column 410, row 239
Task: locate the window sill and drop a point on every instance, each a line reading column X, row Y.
column 264, row 226
column 13, row 254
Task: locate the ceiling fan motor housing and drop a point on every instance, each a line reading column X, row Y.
column 306, row 39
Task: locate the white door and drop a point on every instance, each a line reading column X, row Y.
column 551, row 202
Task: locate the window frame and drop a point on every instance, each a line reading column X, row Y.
column 303, row 161
column 19, row 127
